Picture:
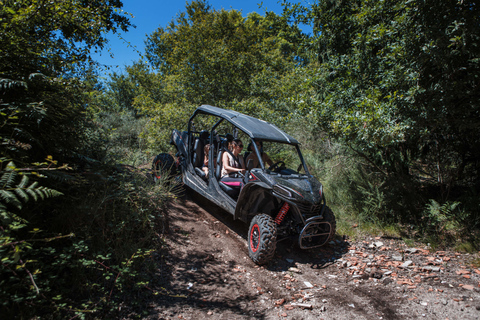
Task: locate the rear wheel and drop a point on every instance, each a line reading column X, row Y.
column 262, row 239
column 163, row 164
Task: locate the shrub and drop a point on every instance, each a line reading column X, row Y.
column 86, row 252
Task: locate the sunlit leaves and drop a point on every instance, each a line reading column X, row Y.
column 398, row 77
column 51, row 36
column 213, row 55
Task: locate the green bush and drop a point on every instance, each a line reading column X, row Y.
column 82, row 255
column 90, row 249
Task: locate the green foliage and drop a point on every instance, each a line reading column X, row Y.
column 241, row 68
column 109, row 237
column 395, row 87
column 372, row 199
column 441, row 216
column 394, row 82
column 77, row 256
column 12, row 194
column 44, row 47
column 213, row 55
column 17, row 258
column 384, row 102
column 39, row 36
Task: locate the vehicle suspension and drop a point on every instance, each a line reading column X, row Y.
column 282, row 213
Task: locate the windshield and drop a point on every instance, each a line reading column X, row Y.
column 278, row 157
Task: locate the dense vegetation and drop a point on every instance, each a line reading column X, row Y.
column 75, row 230
column 383, row 94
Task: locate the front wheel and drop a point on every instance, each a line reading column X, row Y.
column 262, row 239
column 163, row 164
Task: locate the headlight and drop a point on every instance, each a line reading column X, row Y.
column 282, row 191
column 287, row 192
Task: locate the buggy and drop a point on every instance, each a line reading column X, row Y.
column 278, row 202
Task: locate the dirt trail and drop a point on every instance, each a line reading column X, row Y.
column 208, row 275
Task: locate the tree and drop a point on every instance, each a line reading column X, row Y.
column 44, row 65
column 44, row 47
column 398, row 82
column 213, row 55
column 54, row 37
column 205, row 56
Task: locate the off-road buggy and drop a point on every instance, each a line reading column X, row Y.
column 278, row 202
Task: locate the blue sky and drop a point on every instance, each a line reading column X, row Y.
column 150, row 14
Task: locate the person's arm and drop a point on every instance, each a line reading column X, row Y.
column 227, row 166
column 205, row 164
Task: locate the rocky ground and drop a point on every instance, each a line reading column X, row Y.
column 206, row 274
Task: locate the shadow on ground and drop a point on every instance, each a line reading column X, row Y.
column 195, row 276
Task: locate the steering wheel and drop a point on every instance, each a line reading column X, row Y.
column 275, row 165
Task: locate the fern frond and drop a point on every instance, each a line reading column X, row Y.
column 31, row 192
column 8, row 177
column 24, row 182
column 9, row 83
column 8, row 197
column 48, row 193
column 11, row 194
column 3, row 211
column 33, row 185
column 21, row 194
column 6, row 215
column 20, row 189
column 36, row 75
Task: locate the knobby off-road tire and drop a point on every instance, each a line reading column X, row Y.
column 163, row 164
column 328, row 216
column 262, row 239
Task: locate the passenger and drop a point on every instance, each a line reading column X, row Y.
column 253, row 156
column 233, row 164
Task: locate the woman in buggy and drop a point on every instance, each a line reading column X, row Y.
column 233, row 169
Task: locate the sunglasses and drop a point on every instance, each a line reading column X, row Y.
column 240, row 145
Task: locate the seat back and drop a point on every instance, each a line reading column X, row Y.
column 222, row 147
column 218, row 169
column 250, row 164
column 198, row 153
column 199, row 149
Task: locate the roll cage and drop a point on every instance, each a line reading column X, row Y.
column 255, row 129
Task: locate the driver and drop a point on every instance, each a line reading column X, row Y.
column 253, row 156
column 233, row 165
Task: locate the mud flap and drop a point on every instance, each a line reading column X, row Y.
column 315, row 234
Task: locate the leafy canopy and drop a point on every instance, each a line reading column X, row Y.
column 44, row 47
column 214, row 55
column 398, row 81
column 51, row 37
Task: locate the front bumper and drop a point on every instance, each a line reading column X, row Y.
column 315, row 233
